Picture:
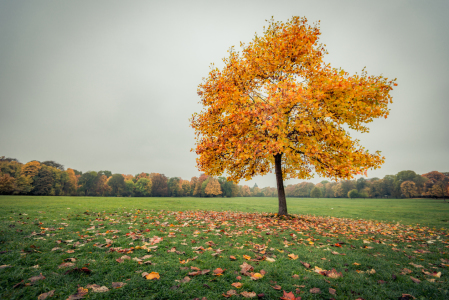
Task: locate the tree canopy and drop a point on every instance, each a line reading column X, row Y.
column 278, row 104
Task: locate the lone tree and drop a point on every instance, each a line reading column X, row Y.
column 276, row 103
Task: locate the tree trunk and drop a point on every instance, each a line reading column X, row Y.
column 280, row 185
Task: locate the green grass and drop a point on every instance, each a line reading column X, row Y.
column 387, row 246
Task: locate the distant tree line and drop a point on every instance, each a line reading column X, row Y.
column 51, row 179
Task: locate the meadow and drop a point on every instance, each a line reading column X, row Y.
column 218, row 248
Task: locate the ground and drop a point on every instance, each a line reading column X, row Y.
column 218, row 248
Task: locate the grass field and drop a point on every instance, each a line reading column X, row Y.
column 218, row 248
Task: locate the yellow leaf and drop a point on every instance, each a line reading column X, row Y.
column 152, row 275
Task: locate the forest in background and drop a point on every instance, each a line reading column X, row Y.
column 50, row 178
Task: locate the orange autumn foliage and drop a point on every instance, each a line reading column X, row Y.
column 277, row 98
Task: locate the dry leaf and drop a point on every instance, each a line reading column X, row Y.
column 97, row 289
column 65, row 265
column 248, row 294
column 415, row 280
column 315, row 291
column 117, row 285
column 80, row 293
column 45, row 295
column 152, row 275
column 237, row 285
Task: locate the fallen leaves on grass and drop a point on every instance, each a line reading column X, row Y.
column 230, row 293
column 36, row 278
column 315, row 291
column 237, row 285
column 248, row 294
column 415, row 280
column 65, row 265
column 97, row 288
column 152, row 276
column 117, row 285
column 44, row 296
column 293, row 256
column 289, row 296
column 80, row 293
column 218, row 272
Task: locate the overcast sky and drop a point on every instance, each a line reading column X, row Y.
column 111, row 85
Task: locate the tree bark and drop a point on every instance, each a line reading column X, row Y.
column 280, row 185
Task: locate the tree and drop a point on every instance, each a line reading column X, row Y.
column 43, row 182
column 129, row 188
column 143, row 187
column 87, row 183
column 245, row 191
column 23, row 185
column 31, row 169
column 316, row 192
column 437, row 184
column 53, row 164
column 278, row 105
column 73, row 182
column 408, row 188
column 160, row 188
column 7, row 184
column 213, row 188
column 174, row 187
column 101, row 185
column 117, row 184
column 353, row 194
column 193, row 185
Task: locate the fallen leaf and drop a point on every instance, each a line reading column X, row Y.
column 65, row 265
column 97, row 289
column 5, row 266
column 415, row 280
column 315, row 291
column 230, row 293
column 248, row 294
column 416, row 266
column 307, row 265
column 152, row 275
column 232, row 257
column 218, row 271
column 36, row 278
column 333, row 274
column 247, row 257
column 406, row 271
column 269, row 259
column 237, row 285
column 293, row 256
column 289, row 296
column 276, row 287
column 256, row 276
column 117, row 285
column 80, row 293
column 45, row 295
column 185, row 279
column 332, row 291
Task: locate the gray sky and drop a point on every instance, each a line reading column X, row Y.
column 111, row 85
